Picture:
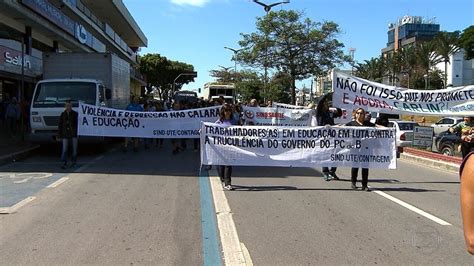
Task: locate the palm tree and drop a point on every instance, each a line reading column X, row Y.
column 408, row 61
column 427, row 58
column 446, row 45
column 372, row 69
column 393, row 64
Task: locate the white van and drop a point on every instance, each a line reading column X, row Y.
column 49, row 99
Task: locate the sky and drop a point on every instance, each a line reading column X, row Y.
column 196, row 31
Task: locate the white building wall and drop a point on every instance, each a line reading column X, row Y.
column 460, row 72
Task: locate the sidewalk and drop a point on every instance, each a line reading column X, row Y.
column 12, row 149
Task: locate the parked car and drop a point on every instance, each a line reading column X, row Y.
column 404, row 131
column 444, row 123
column 447, row 143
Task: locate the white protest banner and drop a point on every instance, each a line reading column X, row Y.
column 273, row 116
column 352, row 92
column 287, row 106
column 298, row 146
column 107, row 122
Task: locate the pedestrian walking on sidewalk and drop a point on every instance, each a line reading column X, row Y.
column 360, row 121
column 67, row 133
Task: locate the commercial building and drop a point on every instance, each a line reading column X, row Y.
column 409, row 30
column 28, row 28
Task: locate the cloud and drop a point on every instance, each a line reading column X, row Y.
column 199, row 3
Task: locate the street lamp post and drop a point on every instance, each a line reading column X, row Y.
column 235, row 56
column 267, row 9
column 194, row 74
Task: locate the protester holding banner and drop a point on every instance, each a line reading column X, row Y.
column 177, row 144
column 325, row 116
column 133, row 106
column 159, row 108
column 467, row 200
column 253, row 103
column 466, row 129
column 225, row 171
column 359, row 121
column 67, row 132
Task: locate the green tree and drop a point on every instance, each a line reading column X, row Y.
column 446, row 44
column 279, row 88
column 466, row 41
column 372, row 69
column 393, row 66
column 248, row 86
column 408, row 63
column 160, row 73
column 426, row 58
column 287, row 42
column 223, row 75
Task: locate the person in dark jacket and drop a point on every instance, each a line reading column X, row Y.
column 359, row 121
column 325, row 117
column 67, row 133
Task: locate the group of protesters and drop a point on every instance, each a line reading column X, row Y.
column 232, row 114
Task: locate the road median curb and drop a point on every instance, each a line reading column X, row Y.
column 454, row 167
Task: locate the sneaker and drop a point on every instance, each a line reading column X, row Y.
column 73, row 165
column 64, row 166
column 353, row 186
column 366, row 189
column 334, row 176
column 326, row 177
column 228, row 187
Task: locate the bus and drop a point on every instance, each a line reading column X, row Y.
column 186, row 97
column 213, row 91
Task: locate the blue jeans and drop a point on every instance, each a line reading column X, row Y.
column 65, row 149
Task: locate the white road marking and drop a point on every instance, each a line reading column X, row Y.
column 412, row 208
column 248, row 260
column 15, row 207
column 58, row 182
column 232, row 248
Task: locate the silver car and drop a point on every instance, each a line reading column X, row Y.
column 444, row 124
column 404, row 131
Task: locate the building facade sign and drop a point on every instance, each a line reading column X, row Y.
column 84, row 36
column 51, row 13
column 10, row 61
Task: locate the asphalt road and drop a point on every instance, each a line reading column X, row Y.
column 144, row 208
